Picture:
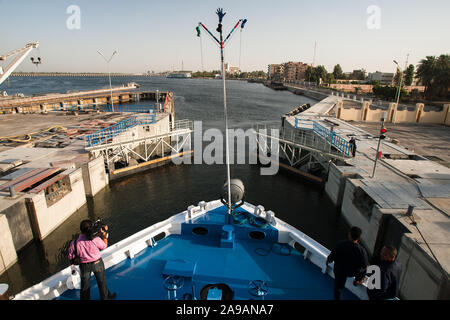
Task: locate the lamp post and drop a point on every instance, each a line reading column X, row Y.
column 109, row 74
column 400, row 83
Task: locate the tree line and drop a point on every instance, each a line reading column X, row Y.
column 432, row 72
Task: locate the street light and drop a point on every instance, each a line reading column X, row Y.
column 400, row 83
column 109, row 73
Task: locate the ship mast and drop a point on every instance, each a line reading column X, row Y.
column 221, row 44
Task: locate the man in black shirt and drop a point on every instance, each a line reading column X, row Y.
column 350, row 260
column 352, row 142
column 390, row 271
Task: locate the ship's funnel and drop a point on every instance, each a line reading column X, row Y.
column 237, row 191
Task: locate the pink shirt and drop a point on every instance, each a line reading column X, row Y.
column 87, row 250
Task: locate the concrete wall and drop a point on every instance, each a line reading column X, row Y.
column 394, row 115
column 45, row 219
column 367, row 88
column 308, row 93
column 8, row 254
column 336, row 181
column 404, row 116
column 421, row 277
column 333, row 185
column 433, row 116
column 372, row 114
column 19, row 224
column 363, row 88
column 368, row 220
column 94, row 176
column 348, row 114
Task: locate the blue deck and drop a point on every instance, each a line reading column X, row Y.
column 287, row 274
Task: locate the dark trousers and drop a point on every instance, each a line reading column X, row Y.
column 339, row 282
column 98, row 268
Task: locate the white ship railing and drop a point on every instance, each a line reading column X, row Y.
column 317, row 254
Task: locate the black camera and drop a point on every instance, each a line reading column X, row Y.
column 97, row 228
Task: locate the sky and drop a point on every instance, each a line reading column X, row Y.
column 157, row 35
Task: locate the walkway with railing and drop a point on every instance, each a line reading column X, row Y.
column 135, row 109
column 106, row 108
column 303, row 139
column 106, row 134
column 335, row 140
column 176, row 139
column 328, row 134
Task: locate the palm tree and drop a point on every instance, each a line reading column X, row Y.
column 434, row 74
column 337, row 72
column 409, row 75
column 425, row 72
column 442, row 75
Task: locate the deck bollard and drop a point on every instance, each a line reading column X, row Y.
column 12, row 191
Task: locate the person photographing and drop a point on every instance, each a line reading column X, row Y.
column 85, row 251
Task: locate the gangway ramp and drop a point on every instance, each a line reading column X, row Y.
column 292, row 141
column 119, row 144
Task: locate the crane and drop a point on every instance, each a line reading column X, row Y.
column 22, row 53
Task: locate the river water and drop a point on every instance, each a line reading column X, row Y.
column 136, row 202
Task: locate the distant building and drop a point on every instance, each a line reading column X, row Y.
column 358, row 74
column 350, row 81
column 231, row 69
column 234, row 70
column 295, row 70
column 275, row 72
column 384, row 78
column 287, row 71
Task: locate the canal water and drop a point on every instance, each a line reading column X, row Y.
column 136, row 202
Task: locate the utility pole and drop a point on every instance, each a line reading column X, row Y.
column 382, row 136
column 312, row 66
column 314, row 58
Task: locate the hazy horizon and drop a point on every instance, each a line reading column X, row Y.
column 160, row 36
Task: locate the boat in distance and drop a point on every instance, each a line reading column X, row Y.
column 205, row 253
column 181, row 75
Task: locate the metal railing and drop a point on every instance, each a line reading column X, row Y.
column 182, row 124
column 106, row 134
column 335, row 140
column 315, row 139
column 136, row 109
column 329, row 135
column 107, row 108
column 78, row 107
column 304, row 124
